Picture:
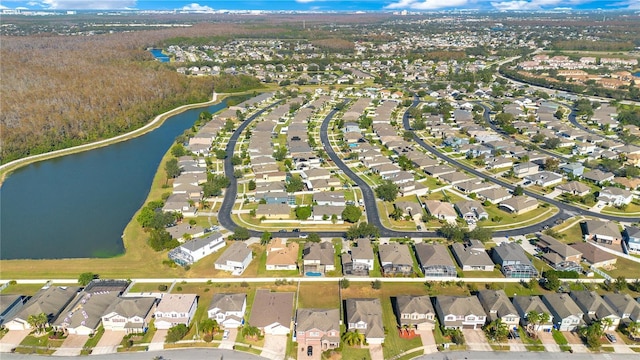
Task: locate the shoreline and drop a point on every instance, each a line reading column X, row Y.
column 8, row 168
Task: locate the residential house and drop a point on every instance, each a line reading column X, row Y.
column 566, row 314
column 524, row 169
column 365, row 317
column 9, row 306
column 282, row 255
column 594, row 256
column 411, row 209
column 129, row 314
column 318, row 328
column 497, row 305
column 632, row 239
column 598, row 176
column 519, row 204
column 544, row 178
column 273, row 211
column 185, row 231
column 435, row 261
column 471, row 256
column 494, row 195
column 175, row 309
column 441, row 210
column 415, row 311
column 327, row 212
column 272, row 312
column 460, row 312
column 228, row 309
column 595, row 309
column 615, row 196
column 624, row 306
column 192, row 251
column 359, row 260
column 605, row 232
column 83, row 315
column 559, row 255
column 235, row 258
column 576, row 169
column 513, row 261
column 50, row 301
column 332, row 198
column 318, row 258
column 526, row 304
column 574, row 188
column 395, row 259
column 471, row 211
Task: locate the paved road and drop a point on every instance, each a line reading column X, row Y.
column 511, row 355
column 566, row 210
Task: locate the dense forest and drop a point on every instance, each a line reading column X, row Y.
column 61, row 91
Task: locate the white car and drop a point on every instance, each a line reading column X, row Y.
column 225, row 335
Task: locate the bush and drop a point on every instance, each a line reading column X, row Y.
column 163, row 287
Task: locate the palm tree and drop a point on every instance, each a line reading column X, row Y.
column 533, row 319
column 353, row 338
column 497, row 330
column 209, row 326
column 38, row 322
column 250, row 331
column 634, row 329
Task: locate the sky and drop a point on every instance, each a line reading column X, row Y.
column 322, row 5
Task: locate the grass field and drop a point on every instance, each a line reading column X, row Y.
column 319, row 295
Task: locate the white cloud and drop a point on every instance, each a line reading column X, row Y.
column 88, row 4
column 304, row 1
column 33, row 3
column 535, row 4
column 629, row 4
column 426, row 4
column 197, row 7
column 2, row 7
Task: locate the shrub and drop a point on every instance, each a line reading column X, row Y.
column 162, row 287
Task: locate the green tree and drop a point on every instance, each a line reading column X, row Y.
column 551, row 164
column 620, row 284
column 552, row 282
column 176, row 333
column 313, row 237
column 160, row 239
column 352, row 338
column 250, row 331
column 362, row 230
column 265, row 238
column 480, row 233
column 172, row 168
column 351, row 213
column 518, row 191
column 209, row 327
column 229, row 125
column 220, row 154
column 295, row 184
column 303, row 212
column 85, row 278
column 387, row 191
column 251, row 185
column 280, row 153
column 497, row 330
column 38, row 322
column 239, row 233
column 552, row 143
column 344, row 283
column 396, row 214
column 236, row 160
column 452, row 232
column 178, row 150
column 376, row 284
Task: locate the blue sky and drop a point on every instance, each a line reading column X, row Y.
column 321, row 5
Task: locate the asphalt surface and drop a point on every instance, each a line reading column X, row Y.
column 532, row 355
column 177, row 354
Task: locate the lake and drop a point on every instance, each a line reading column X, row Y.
column 78, row 205
column 157, row 53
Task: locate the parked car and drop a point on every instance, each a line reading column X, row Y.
column 610, row 337
column 282, row 230
column 225, row 335
column 296, row 230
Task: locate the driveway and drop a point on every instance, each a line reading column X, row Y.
column 12, row 339
column 157, row 343
column 516, row 345
column 109, row 342
column 72, row 345
column 428, row 341
column 576, row 343
column 548, row 342
column 228, row 343
column 275, row 347
column 376, row 352
column 475, row 340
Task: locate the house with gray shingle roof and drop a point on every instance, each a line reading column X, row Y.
column 319, row 328
column 471, row 256
column 595, row 308
column 556, row 252
column 365, row 317
column 129, row 314
column 415, row 311
column 605, row 232
column 51, row 301
column 359, row 261
column 471, row 210
column 192, row 251
column 435, row 261
column 519, row 204
column 567, row 315
column 318, row 257
column 235, row 258
column 272, row 311
column 10, row 305
column 395, row 259
column 594, row 256
column 497, row 305
column 526, row 304
column 624, row 306
column 574, row 188
column 598, row 176
column 513, row 261
column 175, row 309
column 460, row 312
column 83, row 315
column 228, row 309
